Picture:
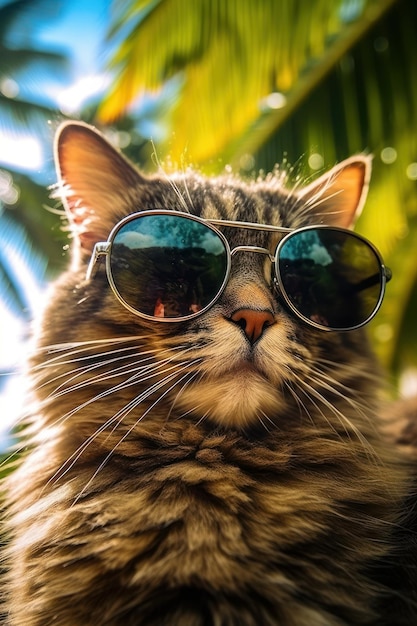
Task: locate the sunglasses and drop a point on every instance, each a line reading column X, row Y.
column 170, row 266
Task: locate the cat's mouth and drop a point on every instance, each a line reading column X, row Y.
column 238, row 398
column 246, row 368
column 243, row 366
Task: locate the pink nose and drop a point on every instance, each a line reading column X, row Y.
column 252, row 322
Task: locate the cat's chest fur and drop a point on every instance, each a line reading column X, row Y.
column 230, row 469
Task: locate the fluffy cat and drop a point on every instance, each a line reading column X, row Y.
column 227, row 470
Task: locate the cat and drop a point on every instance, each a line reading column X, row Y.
column 226, row 469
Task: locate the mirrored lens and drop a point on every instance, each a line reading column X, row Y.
column 167, row 266
column 331, row 277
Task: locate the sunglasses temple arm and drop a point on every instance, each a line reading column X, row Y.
column 372, row 280
column 100, row 249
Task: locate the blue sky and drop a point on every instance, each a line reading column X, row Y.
column 76, row 28
column 80, row 27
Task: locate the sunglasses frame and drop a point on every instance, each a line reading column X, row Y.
column 104, row 249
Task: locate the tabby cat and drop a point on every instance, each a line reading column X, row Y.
column 206, row 446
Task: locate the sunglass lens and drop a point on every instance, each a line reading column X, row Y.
column 331, row 277
column 167, row 266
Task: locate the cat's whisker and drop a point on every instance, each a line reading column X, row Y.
column 171, row 182
column 345, row 368
column 71, row 461
column 348, row 426
column 196, row 407
column 116, row 419
column 301, row 405
column 192, row 409
column 346, row 374
column 109, row 391
column 203, row 417
column 261, row 421
column 341, row 390
column 63, row 359
column 93, row 354
column 178, row 193
column 156, row 386
column 193, row 376
column 126, row 411
column 65, row 347
column 127, row 368
column 269, row 420
column 85, row 365
column 337, row 386
column 312, row 395
column 187, row 191
column 84, row 370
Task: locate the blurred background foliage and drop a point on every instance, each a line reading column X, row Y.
column 242, row 83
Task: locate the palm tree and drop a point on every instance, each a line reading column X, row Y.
column 261, row 82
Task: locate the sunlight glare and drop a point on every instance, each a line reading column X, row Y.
column 408, row 383
column 23, row 152
column 71, row 100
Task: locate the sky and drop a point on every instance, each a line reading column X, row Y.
column 80, row 28
column 77, row 28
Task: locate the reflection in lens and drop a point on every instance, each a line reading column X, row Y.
column 167, row 265
column 331, row 277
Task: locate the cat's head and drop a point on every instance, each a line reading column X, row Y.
column 247, row 358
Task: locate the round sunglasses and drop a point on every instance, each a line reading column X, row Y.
column 170, row 266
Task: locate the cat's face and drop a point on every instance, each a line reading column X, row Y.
column 244, row 362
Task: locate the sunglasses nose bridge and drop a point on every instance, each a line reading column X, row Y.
column 257, row 249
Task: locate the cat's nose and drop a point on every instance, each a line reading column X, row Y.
column 253, row 322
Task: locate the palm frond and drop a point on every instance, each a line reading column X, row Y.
column 22, row 269
column 12, row 11
column 16, row 60
column 20, row 117
column 23, row 66
column 233, row 55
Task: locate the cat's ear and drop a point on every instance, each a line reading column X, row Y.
column 337, row 197
column 93, row 179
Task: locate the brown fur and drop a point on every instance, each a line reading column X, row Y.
column 178, row 474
